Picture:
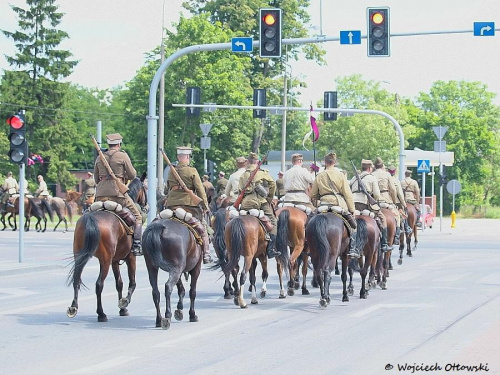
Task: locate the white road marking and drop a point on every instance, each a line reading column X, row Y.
column 15, row 292
column 374, row 308
column 106, row 365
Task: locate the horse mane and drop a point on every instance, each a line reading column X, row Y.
column 134, row 187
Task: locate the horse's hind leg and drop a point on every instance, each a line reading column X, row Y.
column 153, row 280
column 131, row 268
column 350, row 287
column 173, row 278
column 192, row 293
column 253, row 281
column 181, row 292
column 265, row 275
column 99, row 286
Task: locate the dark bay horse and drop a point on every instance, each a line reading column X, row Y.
column 327, row 239
column 383, row 262
column 291, row 233
column 101, row 234
column 169, row 245
column 13, row 211
column 412, row 222
column 40, row 208
column 368, row 240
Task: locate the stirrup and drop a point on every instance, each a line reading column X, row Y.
column 353, row 254
column 271, row 253
column 137, row 251
column 207, row 259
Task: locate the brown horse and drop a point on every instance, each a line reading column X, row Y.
column 291, row 232
column 75, row 198
column 13, row 211
column 244, row 236
column 40, row 208
column 383, row 262
column 412, row 222
column 170, row 245
column 62, row 209
column 101, row 234
column 327, row 239
column 368, row 240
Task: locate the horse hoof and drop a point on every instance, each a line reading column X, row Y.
column 337, row 272
column 344, row 299
column 71, row 312
column 364, row 296
column 236, row 302
column 254, row 302
column 123, row 303
column 390, row 268
column 290, row 292
column 227, row 296
column 263, row 294
column 178, row 315
column 165, row 323
column 383, row 286
column 193, row 319
column 400, row 261
column 305, row 292
column 244, row 306
column 322, row 303
column 102, row 318
column 124, row 312
column 296, row 286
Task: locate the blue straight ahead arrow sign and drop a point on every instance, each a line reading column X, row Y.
column 350, row 37
column 241, row 44
column 423, row 166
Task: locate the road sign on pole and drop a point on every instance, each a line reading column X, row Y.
column 350, row 37
column 423, row 166
column 205, row 128
column 241, row 44
column 440, row 131
column 484, row 28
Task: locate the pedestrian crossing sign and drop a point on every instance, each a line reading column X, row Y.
column 423, row 166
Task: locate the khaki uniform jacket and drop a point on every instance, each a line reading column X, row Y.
column 322, row 189
column 371, row 185
column 221, row 186
column 400, row 197
column 280, row 187
column 233, row 183
column 251, row 199
column 298, row 181
column 10, row 186
column 89, row 187
column 177, row 196
column 387, row 189
column 121, row 166
column 42, row 190
column 411, row 190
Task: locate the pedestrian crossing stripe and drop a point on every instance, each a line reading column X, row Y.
column 423, row 166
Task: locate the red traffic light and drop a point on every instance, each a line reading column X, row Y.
column 269, row 19
column 15, row 122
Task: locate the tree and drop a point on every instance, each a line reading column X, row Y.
column 35, row 86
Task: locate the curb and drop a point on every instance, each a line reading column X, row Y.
column 20, row 269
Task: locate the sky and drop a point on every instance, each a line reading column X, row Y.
column 111, row 37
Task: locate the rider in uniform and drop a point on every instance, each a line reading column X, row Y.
column 256, row 196
column 412, row 192
column 42, row 191
column 107, row 188
column 88, row 189
column 233, row 184
column 361, row 200
column 400, row 198
column 331, row 188
column 221, row 184
column 10, row 187
column 280, row 185
column 178, row 197
column 297, row 183
column 388, row 193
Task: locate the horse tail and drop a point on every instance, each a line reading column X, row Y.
column 320, row 242
column 152, row 245
column 361, row 234
column 282, row 239
column 36, row 209
column 237, row 243
column 49, row 209
column 218, row 239
column 69, row 210
column 92, row 236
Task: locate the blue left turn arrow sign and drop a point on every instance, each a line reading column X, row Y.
column 241, row 44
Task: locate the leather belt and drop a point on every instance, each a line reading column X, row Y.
column 295, row 191
column 384, row 191
column 176, row 187
column 111, row 178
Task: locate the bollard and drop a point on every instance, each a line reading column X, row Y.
column 453, row 216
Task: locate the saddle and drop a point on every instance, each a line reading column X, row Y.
column 340, row 212
column 126, row 216
column 301, row 207
column 185, row 218
column 259, row 214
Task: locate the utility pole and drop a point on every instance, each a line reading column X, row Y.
column 161, row 109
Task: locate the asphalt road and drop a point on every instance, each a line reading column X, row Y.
column 440, row 310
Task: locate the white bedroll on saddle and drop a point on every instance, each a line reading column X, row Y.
column 301, row 207
column 259, row 214
column 364, row 213
column 123, row 213
column 180, row 214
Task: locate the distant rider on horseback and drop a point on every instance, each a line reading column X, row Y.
column 297, row 183
column 400, row 199
column 412, row 192
column 10, row 187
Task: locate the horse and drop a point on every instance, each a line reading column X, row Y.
column 368, row 241
column 101, row 234
column 291, row 232
column 412, row 222
column 244, row 236
column 13, row 211
column 40, row 208
column 74, row 201
column 383, row 262
column 62, row 209
column 327, row 239
column 169, row 245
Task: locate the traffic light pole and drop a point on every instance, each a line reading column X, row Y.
column 152, row 117
column 22, row 188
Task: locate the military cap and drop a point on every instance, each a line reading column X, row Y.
column 222, row 174
column 240, row 161
column 205, row 177
column 379, row 163
column 114, row 139
column 408, row 172
column 90, row 173
column 183, row 150
column 367, row 162
column 296, row 157
column 280, row 173
column 331, row 157
column 391, row 168
column 253, row 156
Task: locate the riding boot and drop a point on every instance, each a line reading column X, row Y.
column 383, row 241
column 408, row 230
column 136, row 242
column 207, row 258
column 271, row 251
column 418, row 216
column 396, row 237
column 354, row 252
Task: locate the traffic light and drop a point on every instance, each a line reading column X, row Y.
column 193, row 96
column 330, row 101
column 259, row 99
column 270, row 32
column 378, row 36
column 18, row 152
